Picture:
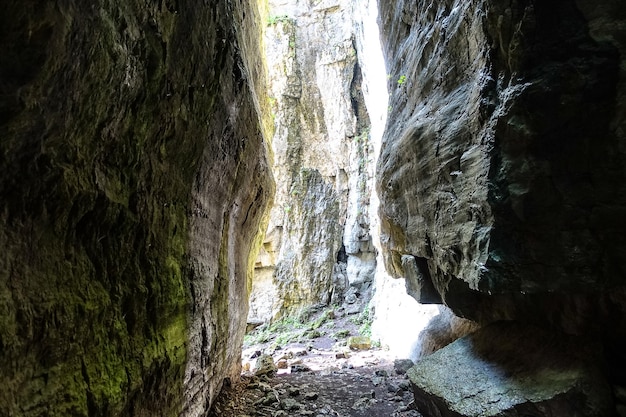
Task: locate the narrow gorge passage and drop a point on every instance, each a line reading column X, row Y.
column 328, row 92
column 310, row 348
column 472, row 160
column 442, row 181
column 318, row 368
column 326, row 322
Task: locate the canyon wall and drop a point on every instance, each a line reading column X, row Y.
column 133, row 179
column 318, row 248
column 502, row 169
column 328, row 88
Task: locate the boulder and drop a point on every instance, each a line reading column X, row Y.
column 359, row 343
column 510, row 369
column 265, row 366
column 501, row 190
column 400, row 366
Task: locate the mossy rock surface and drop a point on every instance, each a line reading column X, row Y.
column 359, row 343
column 103, row 129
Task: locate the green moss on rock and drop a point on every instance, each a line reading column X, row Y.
column 103, row 119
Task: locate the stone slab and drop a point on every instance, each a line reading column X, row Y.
column 508, row 369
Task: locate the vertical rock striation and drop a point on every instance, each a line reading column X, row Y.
column 318, row 247
column 133, row 181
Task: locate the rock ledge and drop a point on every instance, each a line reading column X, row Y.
column 507, row 369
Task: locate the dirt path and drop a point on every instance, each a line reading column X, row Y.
column 375, row 390
column 321, row 365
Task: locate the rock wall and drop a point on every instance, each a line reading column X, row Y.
column 133, row 181
column 329, row 95
column 502, row 167
column 318, row 247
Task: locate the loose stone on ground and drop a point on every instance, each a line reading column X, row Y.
column 367, row 384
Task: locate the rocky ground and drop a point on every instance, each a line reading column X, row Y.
column 326, row 366
column 371, row 390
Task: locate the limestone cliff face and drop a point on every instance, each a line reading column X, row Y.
column 501, row 174
column 133, row 179
column 318, row 247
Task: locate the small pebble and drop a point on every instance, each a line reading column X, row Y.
column 311, row 396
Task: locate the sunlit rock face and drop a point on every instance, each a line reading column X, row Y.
column 501, row 174
column 502, row 167
column 318, row 248
column 133, row 180
column 329, row 96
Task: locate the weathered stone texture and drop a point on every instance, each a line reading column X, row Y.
column 318, row 242
column 502, row 167
column 511, row 370
column 133, row 179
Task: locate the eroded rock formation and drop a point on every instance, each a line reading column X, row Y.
column 133, row 180
column 501, row 174
column 502, row 168
column 318, row 247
